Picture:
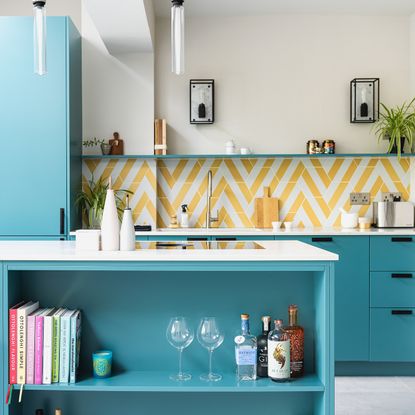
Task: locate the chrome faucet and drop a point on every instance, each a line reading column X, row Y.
column 209, row 217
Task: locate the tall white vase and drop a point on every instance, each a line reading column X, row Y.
column 110, row 226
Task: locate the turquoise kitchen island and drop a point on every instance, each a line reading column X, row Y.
column 127, row 299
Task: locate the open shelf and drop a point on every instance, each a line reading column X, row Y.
column 159, row 382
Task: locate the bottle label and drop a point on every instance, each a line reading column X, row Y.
column 239, row 339
column 245, row 356
column 263, row 356
column 279, row 359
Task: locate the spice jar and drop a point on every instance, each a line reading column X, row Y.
column 329, row 146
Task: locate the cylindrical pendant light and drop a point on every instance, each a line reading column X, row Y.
column 177, row 37
column 39, row 36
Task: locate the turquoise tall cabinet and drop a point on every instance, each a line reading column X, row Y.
column 41, row 130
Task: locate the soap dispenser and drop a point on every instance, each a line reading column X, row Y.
column 110, row 225
column 184, row 218
column 127, row 233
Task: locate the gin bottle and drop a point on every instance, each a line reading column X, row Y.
column 246, row 352
column 296, row 335
column 279, row 353
column 262, row 342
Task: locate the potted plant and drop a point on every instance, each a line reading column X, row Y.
column 91, row 201
column 398, row 125
column 105, row 147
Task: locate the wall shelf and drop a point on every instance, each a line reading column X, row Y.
column 240, row 156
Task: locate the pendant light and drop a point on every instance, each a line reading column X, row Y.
column 177, row 37
column 39, row 36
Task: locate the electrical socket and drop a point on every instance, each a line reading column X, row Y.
column 389, row 196
column 359, row 198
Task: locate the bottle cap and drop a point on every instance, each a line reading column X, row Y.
column 245, row 316
column 58, row 411
column 266, row 319
column 184, row 208
column 292, row 308
column 278, row 322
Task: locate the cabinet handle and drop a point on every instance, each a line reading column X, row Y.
column 225, row 239
column 401, row 275
column 62, row 221
column 398, row 239
column 195, row 239
column 402, row 312
column 324, row 239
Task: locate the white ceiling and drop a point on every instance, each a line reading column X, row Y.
column 258, row 7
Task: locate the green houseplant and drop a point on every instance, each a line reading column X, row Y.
column 91, row 201
column 398, row 125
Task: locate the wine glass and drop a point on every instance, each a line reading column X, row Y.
column 179, row 334
column 210, row 337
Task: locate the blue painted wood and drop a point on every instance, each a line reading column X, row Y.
column 392, row 289
column 35, row 119
column 392, row 336
column 118, row 319
column 395, row 253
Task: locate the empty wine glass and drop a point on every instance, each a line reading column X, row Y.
column 210, row 337
column 179, row 334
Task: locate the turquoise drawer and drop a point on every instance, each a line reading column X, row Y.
column 392, row 253
column 392, row 335
column 392, row 289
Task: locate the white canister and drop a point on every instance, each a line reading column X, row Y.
column 127, row 233
column 110, row 225
column 230, row 147
column 349, row 220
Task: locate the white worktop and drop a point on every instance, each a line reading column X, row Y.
column 66, row 251
column 332, row 231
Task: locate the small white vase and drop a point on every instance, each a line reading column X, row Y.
column 127, row 233
column 110, row 226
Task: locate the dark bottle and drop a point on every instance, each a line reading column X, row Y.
column 39, row 412
column 296, row 334
column 262, row 345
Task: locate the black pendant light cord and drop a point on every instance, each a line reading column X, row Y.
column 177, row 2
column 39, row 3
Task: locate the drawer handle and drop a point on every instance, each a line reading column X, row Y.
column 402, row 312
column 225, row 239
column 197, row 239
column 397, row 239
column 401, row 275
column 328, row 239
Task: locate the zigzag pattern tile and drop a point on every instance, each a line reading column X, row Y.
column 311, row 190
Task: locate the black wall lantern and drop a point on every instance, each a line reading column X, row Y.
column 202, row 101
column 364, row 100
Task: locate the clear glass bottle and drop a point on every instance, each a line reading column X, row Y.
column 262, row 344
column 246, row 352
column 279, row 353
column 296, row 335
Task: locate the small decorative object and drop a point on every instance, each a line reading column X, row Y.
column 106, row 149
column 313, row 147
column 210, row 337
column 202, row 101
column 87, row 239
column 396, row 125
column 230, row 147
column 245, row 150
column 180, row 335
column 329, row 146
column 110, row 225
column 160, row 137
column 173, row 222
column 184, row 217
column 364, row 100
column 102, row 363
column 127, row 233
column 117, row 145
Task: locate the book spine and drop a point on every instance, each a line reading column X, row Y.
column 72, row 351
column 64, row 351
column 13, row 346
column 30, row 350
column 39, row 349
column 21, row 347
column 47, row 351
column 55, row 348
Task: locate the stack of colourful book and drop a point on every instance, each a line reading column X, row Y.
column 44, row 344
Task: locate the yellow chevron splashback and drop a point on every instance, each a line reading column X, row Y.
column 311, row 190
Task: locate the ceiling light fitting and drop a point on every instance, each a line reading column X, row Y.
column 177, row 37
column 39, row 37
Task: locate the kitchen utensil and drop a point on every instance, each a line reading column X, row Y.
column 393, row 214
column 110, row 226
column 348, row 220
column 276, row 225
column 364, row 223
column 117, row 145
column 288, row 226
column 127, row 233
column 160, row 136
column 87, row 239
column 266, row 210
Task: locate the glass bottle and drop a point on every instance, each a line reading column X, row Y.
column 245, row 351
column 262, row 345
column 296, row 335
column 279, row 353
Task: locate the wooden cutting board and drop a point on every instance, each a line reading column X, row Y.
column 266, row 210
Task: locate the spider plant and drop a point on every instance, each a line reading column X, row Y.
column 397, row 124
column 91, row 201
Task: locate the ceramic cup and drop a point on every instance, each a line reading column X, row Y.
column 288, row 225
column 276, row 225
column 102, row 363
column 245, row 150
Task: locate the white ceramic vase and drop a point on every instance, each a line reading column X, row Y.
column 127, row 233
column 110, row 226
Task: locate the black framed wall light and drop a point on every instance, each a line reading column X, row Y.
column 202, row 101
column 364, row 100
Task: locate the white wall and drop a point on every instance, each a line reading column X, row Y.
column 281, row 80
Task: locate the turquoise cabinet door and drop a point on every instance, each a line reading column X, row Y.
column 392, row 253
column 351, row 279
column 33, row 120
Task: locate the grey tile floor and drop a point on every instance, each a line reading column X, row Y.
column 375, row 395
